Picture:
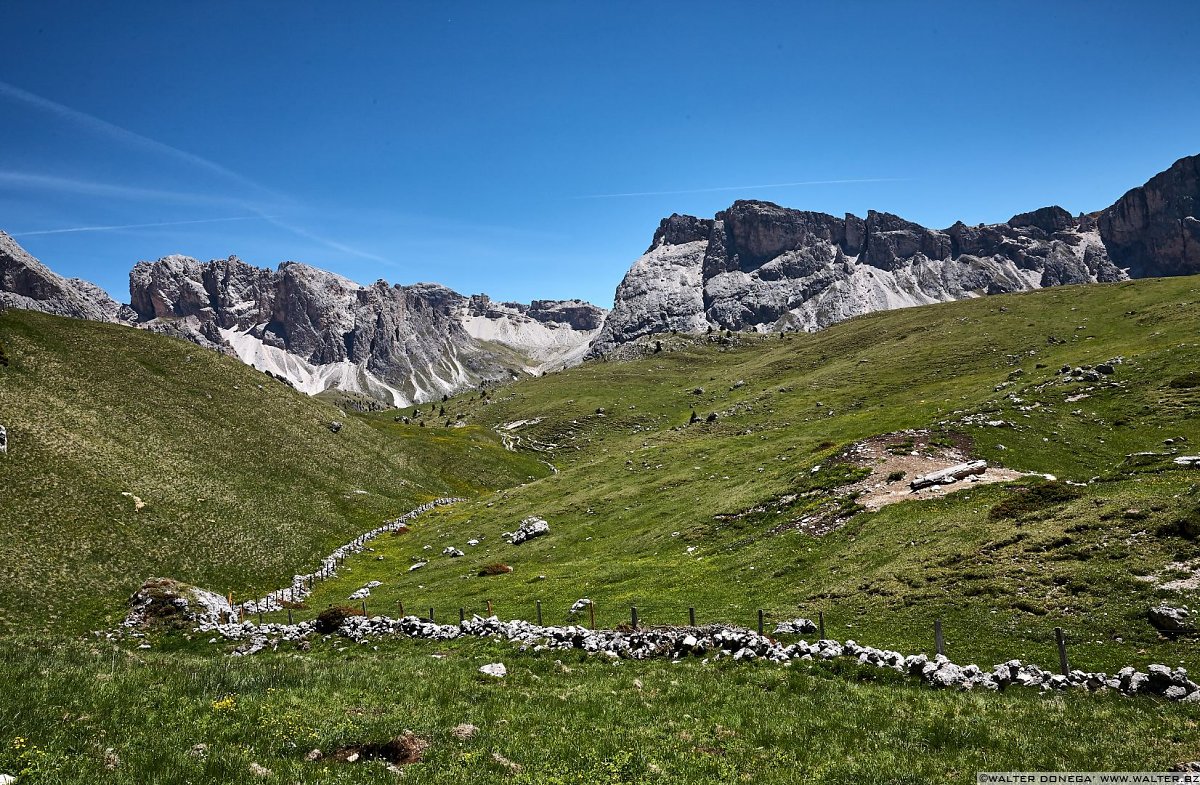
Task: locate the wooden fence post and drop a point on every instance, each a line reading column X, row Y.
column 539, row 612
column 462, row 615
column 937, row 636
column 364, row 607
column 289, row 617
column 1063, row 665
column 633, row 616
column 760, row 621
column 430, row 613
column 592, row 612
column 489, row 608
column 692, row 617
column 821, row 624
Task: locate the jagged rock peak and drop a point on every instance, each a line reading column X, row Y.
column 1048, row 219
column 1154, row 229
column 757, row 265
column 28, row 284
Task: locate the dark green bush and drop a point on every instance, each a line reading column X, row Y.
column 1034, row 497
column 1186, row 382
column 1187, row 526
column 330, row 619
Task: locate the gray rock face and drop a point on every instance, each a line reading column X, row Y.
column 403, row 344
column 760, row 266
column 28, row 284
column 1155, row 229
column 764, row 267
column 318, row 330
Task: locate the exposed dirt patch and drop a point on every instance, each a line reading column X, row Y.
column 895, row 459
column 404, row 749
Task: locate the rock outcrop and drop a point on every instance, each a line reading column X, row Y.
column 403, row 344
column 764, row 267
column 28, row 284
column 1155, row 229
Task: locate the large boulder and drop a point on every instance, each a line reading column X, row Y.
column 1170, row 619
column 164, row 602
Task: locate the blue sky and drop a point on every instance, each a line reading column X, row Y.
column 529, row 149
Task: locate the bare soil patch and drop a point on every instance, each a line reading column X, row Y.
column 895, row 459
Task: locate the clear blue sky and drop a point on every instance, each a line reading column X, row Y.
column 479, row 145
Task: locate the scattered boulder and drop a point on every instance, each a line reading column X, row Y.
column 795, row 627
column 530, row 527
column 1168, row 619
column 496, row 669
column 580, row 605
column 452, row 552
column 464, row 730
column 335, row 426
column 260, row 771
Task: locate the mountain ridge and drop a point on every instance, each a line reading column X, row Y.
column 757, row 265
column 319, row 330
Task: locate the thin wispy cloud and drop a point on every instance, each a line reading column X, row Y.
column 73, row 229
column 126, row 136
column 71, row 185
column 745, row 187
column 334, row 244
column 115, row 132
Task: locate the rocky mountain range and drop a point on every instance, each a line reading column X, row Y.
column 764, row 267
column 318, row 330
column 754, row 266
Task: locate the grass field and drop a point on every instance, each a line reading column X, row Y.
column 240, row 476
column 245, row 485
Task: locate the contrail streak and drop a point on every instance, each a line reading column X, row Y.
column 140, row 226
column 745, row 187
column 105, row 128
column 93, row 188
column 130, row 137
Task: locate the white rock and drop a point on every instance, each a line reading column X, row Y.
column 496, row 669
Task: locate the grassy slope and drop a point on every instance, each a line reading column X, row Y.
column 627, row 482
column 243, row 481
column 584, row 722
column 637, row 487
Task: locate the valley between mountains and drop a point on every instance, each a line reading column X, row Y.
column 747, row 436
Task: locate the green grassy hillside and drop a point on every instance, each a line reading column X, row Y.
column 637, row 502
column 243, row 483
